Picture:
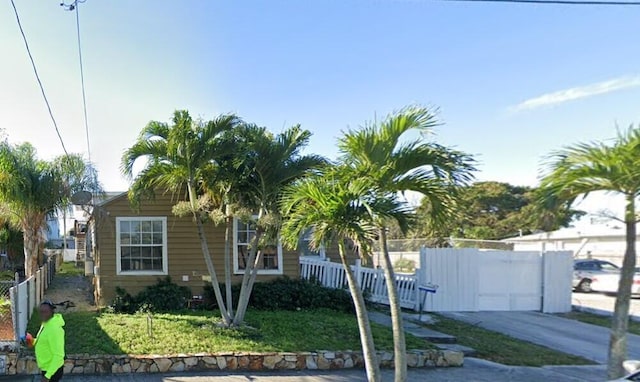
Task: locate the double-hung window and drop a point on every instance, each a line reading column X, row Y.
column 243, row 235
column 141, row 245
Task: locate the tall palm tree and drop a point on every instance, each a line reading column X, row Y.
column 379, row 152
column 583, row 168
column 339, row 209
column 30, row 191
column 271, row 163
column 179, row 158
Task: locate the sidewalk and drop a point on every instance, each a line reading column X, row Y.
column 474, row 370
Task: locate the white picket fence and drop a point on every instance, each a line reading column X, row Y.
column 468, row 279
column 27, row 295
column 370, row 280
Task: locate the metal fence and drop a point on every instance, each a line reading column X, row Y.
column 19, row 299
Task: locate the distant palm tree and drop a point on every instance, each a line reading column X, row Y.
column 338, row 209
column 581, row 169
column 30, row 191
column 179, row 158
column 270, row 164
column 378, row 151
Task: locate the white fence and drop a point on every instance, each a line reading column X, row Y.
column 469, row 279
column 27, row 295
column 371, row 280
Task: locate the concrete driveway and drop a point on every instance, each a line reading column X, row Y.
column 568, row 336
column 474, row 370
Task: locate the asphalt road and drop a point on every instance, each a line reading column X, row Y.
column 473, row 371
column 602, row 302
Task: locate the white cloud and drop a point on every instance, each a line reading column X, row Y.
column 578, row 92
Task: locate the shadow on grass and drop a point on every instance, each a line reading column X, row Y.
column 83, row 334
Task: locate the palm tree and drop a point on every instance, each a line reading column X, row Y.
column 339, row 209
column 271, row 163
column 77, row 175
column 583, row 168
column 179, row 158
column 30, row 191
column 378, row 151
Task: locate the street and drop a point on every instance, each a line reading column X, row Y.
column 602, row 302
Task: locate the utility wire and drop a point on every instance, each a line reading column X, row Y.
column 84, row 97
column 35, row 71
column 556, row 2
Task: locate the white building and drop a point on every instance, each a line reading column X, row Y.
column 602, row 241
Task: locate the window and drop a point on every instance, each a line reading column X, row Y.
column 141, row 245
column 606, row 266
column 243, row 234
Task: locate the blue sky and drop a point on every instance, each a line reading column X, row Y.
column 512, row 82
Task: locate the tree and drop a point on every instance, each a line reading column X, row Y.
column 580, row 169
column 377, row 151
column 179, row 158
column 271, row 163
column 77, row 175
column 338, row 208
column 30, row 191
column 494, row 211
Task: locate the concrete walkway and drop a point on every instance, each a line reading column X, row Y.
column 568, row 336
column 474, row 370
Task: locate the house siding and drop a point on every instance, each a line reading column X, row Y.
column 184, row 251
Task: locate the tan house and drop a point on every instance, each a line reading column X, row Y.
column 133, row 248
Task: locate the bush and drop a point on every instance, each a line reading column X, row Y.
column 288, row 294
column 163, row 296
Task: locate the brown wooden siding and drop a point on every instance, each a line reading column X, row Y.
column 183, row 247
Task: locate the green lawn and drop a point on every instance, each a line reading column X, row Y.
column 69, row 269
column 590, row 318
column 195, row 332
column 503, row 349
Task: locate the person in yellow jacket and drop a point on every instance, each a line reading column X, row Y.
column 49, row 343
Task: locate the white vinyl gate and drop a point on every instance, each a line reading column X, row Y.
column 477, row 280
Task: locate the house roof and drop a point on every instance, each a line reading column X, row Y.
column 108, row 197
column 589, row 231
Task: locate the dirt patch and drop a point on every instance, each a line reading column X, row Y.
column 6, row 325
column 71, row 294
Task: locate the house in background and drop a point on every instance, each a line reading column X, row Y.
column 599, row 241
column 131, row 248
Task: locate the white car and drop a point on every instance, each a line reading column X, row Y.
column 593, row 275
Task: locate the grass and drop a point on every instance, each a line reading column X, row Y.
column 504, row 349
column 69, row 269
column 594, row 319
column 196, row 332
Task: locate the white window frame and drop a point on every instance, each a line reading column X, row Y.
column 236, row 264
column 165, row 257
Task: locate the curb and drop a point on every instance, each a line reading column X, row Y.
column 600, row 312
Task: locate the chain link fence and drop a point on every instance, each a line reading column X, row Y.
column 7, row 319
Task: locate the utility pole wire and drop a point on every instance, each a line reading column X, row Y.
column 556, row 2
column 35, row 71
column 84, row 97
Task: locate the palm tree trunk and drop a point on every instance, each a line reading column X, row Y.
column 620, row 321
column 226, row 319
column 245, row 288
column 227, row 260
column 366, row 336
column 399, row 343
column 31, row 236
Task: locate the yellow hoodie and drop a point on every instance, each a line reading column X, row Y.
column 49, row 345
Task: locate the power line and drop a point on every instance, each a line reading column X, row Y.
column 556, row 2
column 84, row 97
column 35, row 71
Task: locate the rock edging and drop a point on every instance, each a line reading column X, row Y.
column 322, row 360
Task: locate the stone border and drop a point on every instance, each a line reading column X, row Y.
column 323, row 360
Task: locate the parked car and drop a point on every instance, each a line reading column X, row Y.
column 588, row 272
column 593, row 275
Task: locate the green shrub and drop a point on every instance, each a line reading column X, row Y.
column 404, row 265
column 288, row 294
column 163, row 296
column 7, row 276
